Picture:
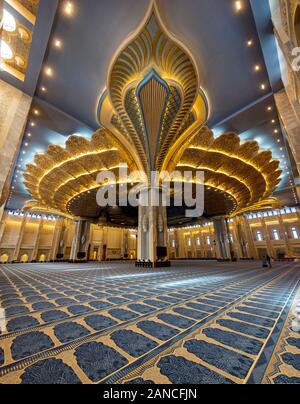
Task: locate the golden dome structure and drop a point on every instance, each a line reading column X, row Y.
column 153, row 116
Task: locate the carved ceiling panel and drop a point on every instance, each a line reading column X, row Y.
column 153, row 94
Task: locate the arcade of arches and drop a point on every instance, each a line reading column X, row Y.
column 252, row 236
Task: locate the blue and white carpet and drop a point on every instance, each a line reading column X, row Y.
column 194, row 323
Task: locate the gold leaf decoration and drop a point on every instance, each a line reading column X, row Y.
column 243, row 171
column 153, row 92
column 64, row 173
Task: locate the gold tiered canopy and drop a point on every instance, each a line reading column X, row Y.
column 60, row 177
column 153, row 115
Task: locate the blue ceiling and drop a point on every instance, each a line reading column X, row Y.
column 214, row 32
column 212, row 29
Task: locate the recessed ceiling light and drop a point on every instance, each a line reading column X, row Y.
column 43, row 89
column 26, row 144
column 257, row 68
column 32, row 124
column 238, row 5
column 9, row 22
column 57, row 43
column 269, row 108
column 263, row 86
column 29, row 134
column 48, row 71
column 36, row 112
column 5, row 51
column 68, row 8
column 276, row 131
column 249, row 42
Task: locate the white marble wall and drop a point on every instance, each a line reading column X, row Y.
column 288, row 100
column 14, row 108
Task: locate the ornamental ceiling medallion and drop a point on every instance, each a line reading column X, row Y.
column 153, row 117
column 153, row 96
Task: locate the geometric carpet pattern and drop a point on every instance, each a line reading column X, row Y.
column 111, row 323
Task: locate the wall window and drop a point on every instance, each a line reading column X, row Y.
column 208, row 240
column 198, row 241
column 189, row 242
column 174, row 243
column 259, row 236
column 275, row 234
column 295, row 233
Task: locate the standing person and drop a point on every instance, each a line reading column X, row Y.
column 269, row 260
column 265, row 262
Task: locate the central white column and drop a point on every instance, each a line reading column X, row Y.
column 81, row 241
column 222, row 240
column 152, row 232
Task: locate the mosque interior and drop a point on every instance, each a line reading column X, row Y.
column 149, row 192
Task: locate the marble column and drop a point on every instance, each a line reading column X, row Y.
column 81, row 241
column 59, row 240
column 284, row 236
column 125, row 243
column 251, row 247
column 242, row 237
column 203, row 245
column 19, row 241
column 103, row 244
column 2, row 222
column 1, row 14
column 222, row 240
column 37, row 241
column 178, row 246
column 152, row 232
column 267, row 237
column 14, row 108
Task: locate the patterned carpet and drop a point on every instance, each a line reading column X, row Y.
column 195, row 323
